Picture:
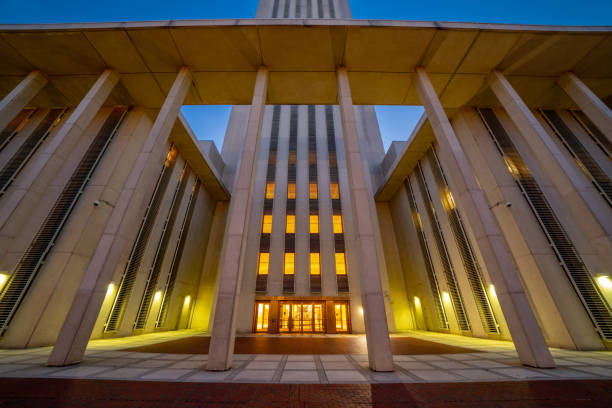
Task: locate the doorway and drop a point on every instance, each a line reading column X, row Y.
column 302, row 317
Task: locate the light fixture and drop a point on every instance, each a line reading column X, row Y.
column 604, row 281
column 361, row 310
column 492, row 290
column 111, row 289
column 157, row 296
column 446, row 296
column 417, row 301
column 187, row 300
column 3, row 279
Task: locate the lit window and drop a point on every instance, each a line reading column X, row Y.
column 264, row 261
column 266, row 227
column 341, row 317
column 312, row 191
column 270, row 190
column 289, row 263
column 335, row 192
column 290, row 224
column 314, row 224
column 337, row 224
column 263, row 312
column 315, row 268
column 291, row 190
column 340, row 264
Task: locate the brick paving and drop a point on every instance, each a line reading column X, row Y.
column 109, row 394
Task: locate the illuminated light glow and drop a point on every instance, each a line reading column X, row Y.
column 264, row 262
column 290, row 227
column 314, row 224
column 492, row 290
column 337, row 221
column 361, row 310
column 187, row 300
column 3, row 279
column 417, row 301
column 340, row 264
column 604, row 282
column 315, row 268
column 335, row 191
column 446, row 296
column 157, row 296
column 270, row 190
column 291, row 191
column 312, row 191
column 450, row 200
column 289, row 263
column 109, row 291
column 266, row 226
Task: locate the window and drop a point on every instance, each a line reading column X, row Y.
column 289, row 263
column 335, row 192
column 290, row 224
column 340, row 264
column 291, row 190
column 264, row 261
column 270, row 190
column 315, row 268
column 263, row 312
column 341, row 317
column 337, row 224
column 312, row 191
column 314, row 224
column 266, row 227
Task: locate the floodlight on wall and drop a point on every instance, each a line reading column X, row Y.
column 603, row 280
column 417, row 301
column 3, row 279
column 111, row 289
column 446, row 297
column 187, row 300
column 157, row 296
column 492, row 291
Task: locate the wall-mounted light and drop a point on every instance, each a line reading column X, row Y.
column 111, row 289
column 3, row 279
column 361, row 310
column 446, row 296
column 492, row 291
column 157, row 296
column 417, row 301
column 187, row 300
column 604, row 281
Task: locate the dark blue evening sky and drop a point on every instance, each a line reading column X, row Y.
column 395, row 122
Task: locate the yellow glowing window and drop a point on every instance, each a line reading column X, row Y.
column 341, row 317
column 337, row 224
column 266, row 226
column 314, row 224
column 264, row 261
column 289, row 263
column 291, row 190
column 340, row 264
column 263, row 312
column 315, row 268
column 270, row 190
column 335, row 191
column 290, row 224
column 312, row 191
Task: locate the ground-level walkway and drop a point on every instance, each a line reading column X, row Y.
column 484, row 360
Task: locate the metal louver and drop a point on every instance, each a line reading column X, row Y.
column 449, row 272
column 597, row 135
column 15, row 126
column 133, row 264
column 431, row 274
column 569, row 259
column 468, row 257
column 34, row 257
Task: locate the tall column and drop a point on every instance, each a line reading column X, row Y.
column 526, row 334
column 76, row 330
column 364, row 210
column 235, row 241
column 20, row 96
column 578, row 193
column 588, row 102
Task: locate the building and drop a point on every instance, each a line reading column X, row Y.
column 493, row 220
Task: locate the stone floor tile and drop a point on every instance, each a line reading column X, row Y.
column 364, row 357
column 201, row 357
column 189, row 364
column 344, row 376
column 403, row 358
column 520, row 373
column 337, row 365
column 80, row 372
column 414, row 365
column 255, row 375
column 448, row 364
column 238, row 357
column 112, row 354
column 300, row 365
column 564, row 372
column 430, row 357
column 589, row 361
column 485, row 363
column 300, row 357
column 35, row 371
column 123, row 373
column 213, row 376
column 116, row 362
column 478, row 374
column 395, row 377
column 600, row 371
column 461, row 357
column 166, row 374
column 564, row 362
column 262, row 365
column 332, row 357
column 172, row 356
column 21, row 358
column 144, row 355
column 435, row 375
column 310, row 376
column 150, row 363
column 269, row 357
column 6, row 369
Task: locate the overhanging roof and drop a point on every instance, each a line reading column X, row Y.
column 302, row 56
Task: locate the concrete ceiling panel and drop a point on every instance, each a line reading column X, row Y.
column 11, row 62
column 593, row 64
column 316, row 88
column 487, row 52
column 303, row 49
column 215, row 49
column 143, row 89
column 165, row 81
column 438, row 81
column 602, row 87
column 157, row 48
column 460, row 89
column 531, row 89
column 8, row 83
column 370, row 88
column 225, row 88
column 447, row 50
column 117, row 50
column 73, row 88
column 385, row 49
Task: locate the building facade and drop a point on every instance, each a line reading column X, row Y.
column 493, row 220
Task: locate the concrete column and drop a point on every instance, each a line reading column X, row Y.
column 233, row 255
column 578, row 193
column 77, row 328
column 377, row 331
column 524, row 329
column 19, row 97
column 588, row 102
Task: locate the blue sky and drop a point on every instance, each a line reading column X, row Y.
column 209, row 122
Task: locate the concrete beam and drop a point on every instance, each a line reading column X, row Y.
column 19, row 97
column 364, row 210
column 588, row 102
column 77, row 328
column 235, row 240
column 526, row 334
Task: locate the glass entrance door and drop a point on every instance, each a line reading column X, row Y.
column 302, row 317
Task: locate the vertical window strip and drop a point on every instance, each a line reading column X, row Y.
column 308, row 8
column 298, row 8
column 275, row 9
column 332, row 9
column 286, row 9
column 320, row 8
column 288, row 278
column 313, row 207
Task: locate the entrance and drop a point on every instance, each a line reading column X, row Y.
column 301, row 317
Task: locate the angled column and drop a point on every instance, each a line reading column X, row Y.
column 588, row 102
column 76, row 330
column 364, row 210
column 578, row 193
column 19, row 97
column 231, row 266
column 526, row 334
